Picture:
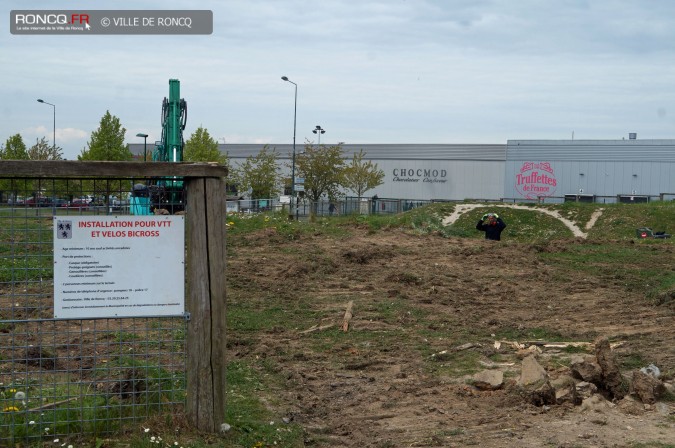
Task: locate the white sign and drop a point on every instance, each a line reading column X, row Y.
column 119, row 266
column 299, row 188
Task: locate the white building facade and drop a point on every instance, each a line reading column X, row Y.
column 415, row 172
column 595, row 170
column 521, row 170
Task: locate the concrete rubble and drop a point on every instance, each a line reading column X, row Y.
column 593, row 382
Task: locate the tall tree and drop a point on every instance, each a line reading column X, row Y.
column 107, row 142
column 14, row 149
column 201, row 147
column 361, row 176
column 322, row 168
column 42, row 150
column 260, row 174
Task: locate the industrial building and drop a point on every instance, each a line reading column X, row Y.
column 520, row 170
column 594, row 170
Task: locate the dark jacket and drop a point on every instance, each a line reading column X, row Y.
column 492, row 231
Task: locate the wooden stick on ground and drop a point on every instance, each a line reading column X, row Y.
column 316, row 328
column 348, row 316
column 52, row 405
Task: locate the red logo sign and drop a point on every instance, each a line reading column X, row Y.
column 536, row 179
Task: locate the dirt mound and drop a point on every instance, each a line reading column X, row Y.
column 427, row 312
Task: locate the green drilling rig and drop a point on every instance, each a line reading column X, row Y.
column 168, row 192
column 165, row 194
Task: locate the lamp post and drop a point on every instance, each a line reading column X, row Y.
column 54, row 107
column 319, row 130
column 295, row 115
column 145, row 145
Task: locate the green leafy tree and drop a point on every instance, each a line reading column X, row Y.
column 201, row 147
column 107, row 142
column 14, row 149
column 322, row 168
column 42, row 150
column 361, row 176
column 260, row 174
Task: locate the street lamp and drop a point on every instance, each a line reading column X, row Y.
column 54, row 106
column 145, row 145
column 295, row 115
column 319, row 130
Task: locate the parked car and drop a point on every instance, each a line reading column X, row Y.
column 38, row 202
column 19, row 200
column 79, row 203
column 58, row 202
column 119, row 202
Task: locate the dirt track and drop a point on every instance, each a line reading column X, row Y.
column 414, row 296
column 576, row 231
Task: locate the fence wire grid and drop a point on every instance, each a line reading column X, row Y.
column 61, row 377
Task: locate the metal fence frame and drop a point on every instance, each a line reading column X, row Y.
column 60, row 377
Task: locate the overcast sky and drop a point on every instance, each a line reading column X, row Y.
column 388, row 71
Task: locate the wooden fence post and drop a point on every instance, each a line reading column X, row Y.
column 206, row 364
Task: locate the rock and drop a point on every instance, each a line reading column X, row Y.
column 585, row 389
column 611, row 375
column 132, row 384
column 41, row 357
column 652, row 370
column 535, row 384
column 489, row 380
column 532, row 372
column 595, row 404
column 586, row 368
column 670, row 387
column 630, row 406
column 664, row 409
column 525, row 352
column 566, row 391
column 646, row 387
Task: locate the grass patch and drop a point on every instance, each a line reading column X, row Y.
column 632, row 361
column 242, row 224
column 250, row 317
column 353, row 346
column 455, row 364
column 636, row 267
column 252, row 424
column 531, row 334
column 396, row 310
column 79, row 407
column 571, row 349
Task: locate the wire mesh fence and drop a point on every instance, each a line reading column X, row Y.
column 60, row 377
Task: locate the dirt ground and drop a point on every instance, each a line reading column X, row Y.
column 387, row 381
